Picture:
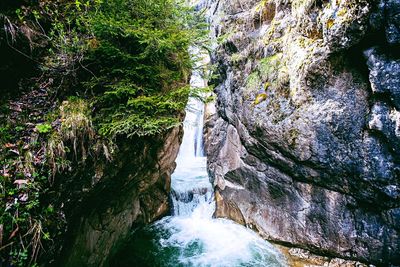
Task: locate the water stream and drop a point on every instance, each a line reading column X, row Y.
column 191, row 237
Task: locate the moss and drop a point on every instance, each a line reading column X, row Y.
column 260, row 6
column 253, row 83
column 5, row 134
column 341, row 12
column 330, row 23
column 271, row 73
column 273, row 69
column 225, row 37
column 236, row 58
column 269, row 36
column 305, row 42
column 269, row 66
column 346, row 13
column 43, row 128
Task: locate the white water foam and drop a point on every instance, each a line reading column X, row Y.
column 217, row 242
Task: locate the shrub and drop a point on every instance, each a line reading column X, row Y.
column 142, row 54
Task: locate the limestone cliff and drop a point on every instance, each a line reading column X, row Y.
column 304, row 146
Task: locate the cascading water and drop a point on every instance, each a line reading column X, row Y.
column 191, row 237
column 190, row 183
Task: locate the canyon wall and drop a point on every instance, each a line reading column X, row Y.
column 131, row 191
column 304, row 144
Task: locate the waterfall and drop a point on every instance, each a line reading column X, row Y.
column 192, row 144
column 190, row 182
column 191, row 236
column 200, row 239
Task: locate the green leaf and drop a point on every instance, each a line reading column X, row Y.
column 43, row 128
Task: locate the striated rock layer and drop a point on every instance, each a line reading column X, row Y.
column 304, row 144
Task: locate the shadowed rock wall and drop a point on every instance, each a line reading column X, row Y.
column 132, row 192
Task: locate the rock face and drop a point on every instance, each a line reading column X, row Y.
column 132, row 192
column 304, row 146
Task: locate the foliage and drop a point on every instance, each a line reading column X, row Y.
column 237, row 58
column 26, row 219
column 75, row 138
column 43, row 128
column 143, row 50
column 122, row 50
column 146, row 115
column 129, row 63
column 4, row 133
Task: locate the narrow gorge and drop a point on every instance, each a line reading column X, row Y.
column 191, row 236
column 207, row 133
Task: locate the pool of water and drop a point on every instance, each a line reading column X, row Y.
column 197, row 240
column 191, row 236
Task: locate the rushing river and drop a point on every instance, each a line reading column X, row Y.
column 191, row 236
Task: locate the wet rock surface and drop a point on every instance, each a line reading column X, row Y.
column 301, row 258
column 304, row 144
